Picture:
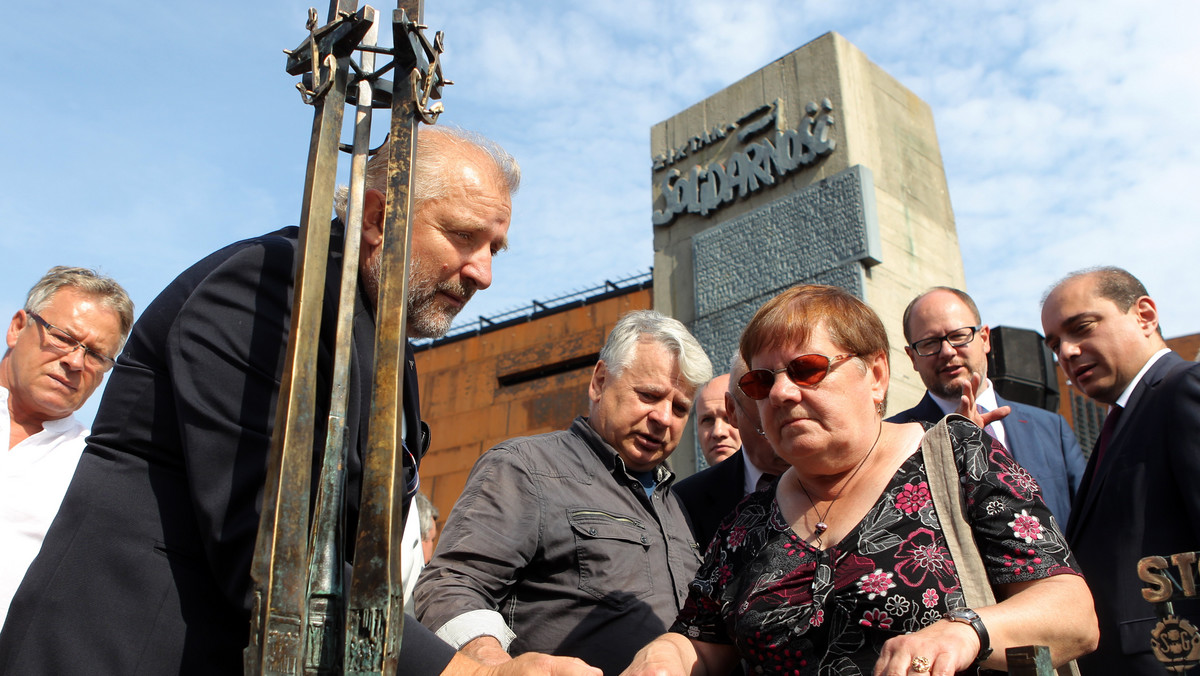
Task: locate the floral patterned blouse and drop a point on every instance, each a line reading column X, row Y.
column 791, row 608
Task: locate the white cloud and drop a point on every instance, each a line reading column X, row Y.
column 1067, row 130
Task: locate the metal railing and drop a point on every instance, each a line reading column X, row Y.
column 541, row 308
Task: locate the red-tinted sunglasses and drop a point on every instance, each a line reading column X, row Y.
column 807, row 370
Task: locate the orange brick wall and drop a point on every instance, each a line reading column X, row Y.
column 468, row 409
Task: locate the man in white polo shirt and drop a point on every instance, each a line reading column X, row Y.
column 60, row 345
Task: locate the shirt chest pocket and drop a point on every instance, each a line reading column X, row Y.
column 613, row 554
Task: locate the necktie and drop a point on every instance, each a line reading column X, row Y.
column 1106, row 432
column 765, row 481
column 990, row 428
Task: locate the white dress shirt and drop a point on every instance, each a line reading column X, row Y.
column 1123, row 400
column 752, row 475
column 34, row 475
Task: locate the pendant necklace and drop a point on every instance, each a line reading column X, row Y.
column 822, row 524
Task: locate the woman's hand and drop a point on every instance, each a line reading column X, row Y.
column 1057, row 612
column 941, row 649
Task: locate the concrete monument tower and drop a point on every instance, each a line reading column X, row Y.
column 818, row 168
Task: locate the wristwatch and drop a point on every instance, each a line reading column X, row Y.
column 970, row 617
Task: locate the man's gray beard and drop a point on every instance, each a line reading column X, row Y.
column 425, row 318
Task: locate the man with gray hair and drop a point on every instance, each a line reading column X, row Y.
column 60, row 345
column 572, row 543
column 146, row 568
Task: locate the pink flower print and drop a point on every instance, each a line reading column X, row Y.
column 913, row 498
column 817, row 618
column 876, row 618
column 875, row 583
column 930, row 598
column 1014, row 475
column 737, row 535
column 921, row 555
column 1026, row 527
column 725, row 574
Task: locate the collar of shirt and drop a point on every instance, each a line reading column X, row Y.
column 52, row 430
column 610, row 458
column 752, row 475
column 1123, row 400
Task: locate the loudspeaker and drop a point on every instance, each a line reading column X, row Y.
column 1021, row 367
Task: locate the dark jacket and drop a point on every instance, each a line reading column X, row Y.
column 1142, row 501
column 146, row 568
column 711, row 494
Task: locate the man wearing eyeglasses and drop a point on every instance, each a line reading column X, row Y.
column 948, row 345
column 60, row 345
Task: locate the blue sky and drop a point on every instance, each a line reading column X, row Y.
column 138, row 137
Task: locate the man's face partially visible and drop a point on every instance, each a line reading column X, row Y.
column 1099, row 348
column 719, row 439
column 427, row 316
column 945, row 372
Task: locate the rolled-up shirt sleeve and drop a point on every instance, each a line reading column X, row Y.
column 490, row 537
column 469, row 626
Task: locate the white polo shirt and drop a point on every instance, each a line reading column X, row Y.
column 34, row 475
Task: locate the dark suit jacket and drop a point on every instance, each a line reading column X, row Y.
column 711, row 494
column 1041, row 441
column 146, row 568
column 1143, row 500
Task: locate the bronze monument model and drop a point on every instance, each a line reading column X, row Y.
column 305, row 619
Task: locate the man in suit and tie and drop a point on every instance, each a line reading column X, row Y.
column 1139, row 494
column 711, row 494
column 948, row 344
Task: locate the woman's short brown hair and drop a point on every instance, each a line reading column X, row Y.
column 787, row 319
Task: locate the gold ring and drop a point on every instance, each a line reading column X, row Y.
column 921, row 665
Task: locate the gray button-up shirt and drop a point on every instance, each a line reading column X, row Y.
column 555, row 546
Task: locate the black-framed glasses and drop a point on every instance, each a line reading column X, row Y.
column 66, row 343
column 957, row 338
column 807, row 370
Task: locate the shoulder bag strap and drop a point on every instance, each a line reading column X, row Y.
column 946, row 489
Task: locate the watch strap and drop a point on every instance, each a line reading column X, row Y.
column 971, row 618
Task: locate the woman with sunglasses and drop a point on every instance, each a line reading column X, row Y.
column 842, row 567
